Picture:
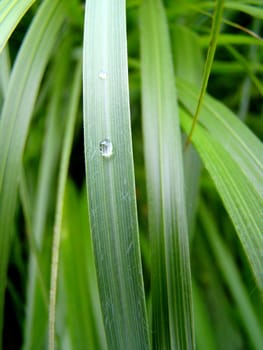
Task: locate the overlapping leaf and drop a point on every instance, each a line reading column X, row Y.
column 15, row 118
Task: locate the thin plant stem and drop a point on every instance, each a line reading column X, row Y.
column 217, row 20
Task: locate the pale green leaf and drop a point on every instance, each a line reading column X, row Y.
column 45, row 192
column 236, row 187
column 189, row 64
column 11, row 12
column 63, row 171
column 16, row 115
column 226, row 128
column 110, row 175
column 171, row 307
column 4, row 72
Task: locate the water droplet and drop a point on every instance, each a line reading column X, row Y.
column 103, row 75
column 106, row 148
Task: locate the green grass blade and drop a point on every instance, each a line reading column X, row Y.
column 172, row 317
column 231, row 133
column 187, row 55
column 188, row 62
column 254, row 11
column 66, row 150
column 246, row 64
column 243, row 203
column 11, row 12
column 110, row 178
column 27, row 210
column 232, row 39
column 253, row 56
column 233, row 279
column 16, row 115
column 4, row 73
column 45, row 193
column 205, row 338
column 83, row 311
column 222, row 321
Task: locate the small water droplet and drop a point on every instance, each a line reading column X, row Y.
column 103, row 75
column 106, row 148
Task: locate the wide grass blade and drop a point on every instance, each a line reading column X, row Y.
column 11, row 12
column 236, row 187
column 16, row 115
column 231, row 133
column 110, row 175
column 172, row 317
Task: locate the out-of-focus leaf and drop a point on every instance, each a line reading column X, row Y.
column 11, row 12
column 16, row 115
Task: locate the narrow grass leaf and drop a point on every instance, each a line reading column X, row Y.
column 82, row 304
column 230, row 132
column 246, row 64
column 110, row 175
column 254, row 11
column 243, row 203
column 45, row 192
column 11, row 12
column 231, row 39
column 188, row 62
column 172, row 317
column 221, row 67
column 221, row 316
column 4, row 73
column 205, row 338
column 233, row 279
column 66, row 150
column 16, row 115
column 27, row 210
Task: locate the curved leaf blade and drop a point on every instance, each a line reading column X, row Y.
column 243, row 203
column 229, row 131
column 16, row 115
column 11, row 13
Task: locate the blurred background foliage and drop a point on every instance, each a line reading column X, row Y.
column 222, row 278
